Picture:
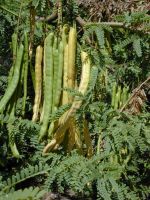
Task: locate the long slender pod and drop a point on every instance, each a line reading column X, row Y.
column 124, row 95
column 14, row 51
column 55, row 71
column 55, row 77
column 10, row 126
column 59, row 75
column 64, row 34
column 48, row 84
column 65, row 64
column 43, row 83
column 14, row 45
column 25, row 73
column 54, row 46
column 60, row 132
column 15, row 79
column 117, row 98
column 85, row 76
column 71, row 59
column 113, row 95
column 65, row 75
column 58, row 85
column 38, row 82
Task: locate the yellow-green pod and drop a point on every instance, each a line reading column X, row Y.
column 65, row 76
column 38, row 82
column 71, row 59
column 55, row 71
column 114, row 89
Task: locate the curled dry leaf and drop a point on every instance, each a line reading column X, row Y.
column 137, row 101
column 138, row 98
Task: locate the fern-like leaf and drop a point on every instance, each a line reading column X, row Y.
column 24, row 174
column 137, row 47
column 26, row 194
column 100, row 36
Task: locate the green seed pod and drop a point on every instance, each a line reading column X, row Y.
column 10, row 126
column 48, row 84
column 12, row 144
column 119, row 96
column 71, row 59
column 116, row 101
column 113, row 95
column 57, row 83
column 124, row 95
column 14, row 82
column 25, row 72
column 14, row 45
column 65, row 76
column 14, row 51
column 59, row 75
column 51, row 129
column 65, row 122
column 55, row 71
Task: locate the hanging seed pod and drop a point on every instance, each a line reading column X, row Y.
column 65, row 76
column 117, row 98
column 14, row 51
column 14, row 81
column 55, row 71
column 113, row 94
column 59, row 74
column 71, row 60
column 65, row 124
column 25, row 72
column 48, row 84
column 38, row 82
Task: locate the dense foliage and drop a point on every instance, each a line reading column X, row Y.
column 113, row 163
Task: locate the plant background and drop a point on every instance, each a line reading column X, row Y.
column 119, row 168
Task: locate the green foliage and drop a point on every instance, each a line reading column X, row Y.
column 28, row 193
column 122, row 143
column 136, row 44
column 99, row 31
column 135, row 19
column 60, row 111
column 3, row 83
column 23, row 132
column 137, row 47
column 24, row 174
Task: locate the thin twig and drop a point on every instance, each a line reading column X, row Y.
column 113, row 24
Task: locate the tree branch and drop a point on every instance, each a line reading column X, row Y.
column 48, row 19
column 83, row 23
